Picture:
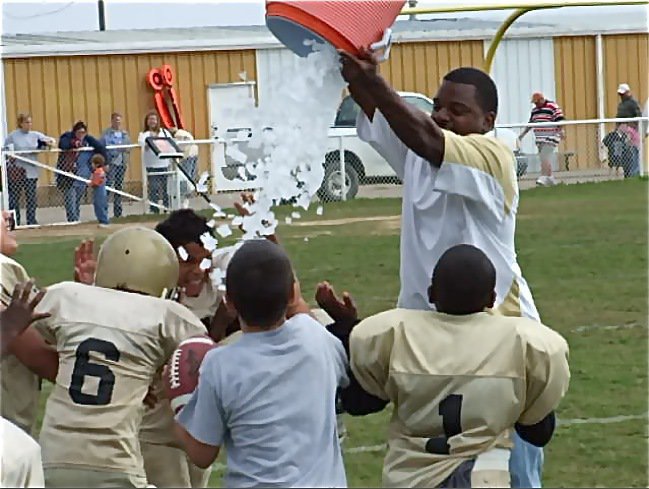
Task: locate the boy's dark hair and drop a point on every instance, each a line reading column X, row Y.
column 79, row 125
column 485, row 88
column 98, row 160
column 464, row 280
column 259, row 283
column 182, row 227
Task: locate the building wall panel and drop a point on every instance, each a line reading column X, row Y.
column 420, row 66
column 625, row 61
column 576, row 89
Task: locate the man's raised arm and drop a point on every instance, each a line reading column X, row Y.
column 413, row 127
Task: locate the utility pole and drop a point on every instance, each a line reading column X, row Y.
column 102, row 15
column 412, row 4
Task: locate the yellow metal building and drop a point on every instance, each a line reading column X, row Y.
column 61, row 78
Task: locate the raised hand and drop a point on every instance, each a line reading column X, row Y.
column 85, row 263
column 358, row 68
column 339, row 310
column 249, row 198
column 17, row 317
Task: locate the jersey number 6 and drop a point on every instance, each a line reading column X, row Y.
column 450, row 409
column 83, row 367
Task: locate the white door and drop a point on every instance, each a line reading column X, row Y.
column 271, row 64
column 228, row 103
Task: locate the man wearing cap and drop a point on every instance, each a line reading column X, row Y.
column 547, row 137
column 628, row 106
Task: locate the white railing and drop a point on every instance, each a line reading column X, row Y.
column 352, row 168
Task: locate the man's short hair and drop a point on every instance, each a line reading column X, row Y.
column 486, row 91
column 182, row 227
column 259, row 282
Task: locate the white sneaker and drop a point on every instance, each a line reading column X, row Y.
column 551, row 180
column 104, row 225
column 542, row 181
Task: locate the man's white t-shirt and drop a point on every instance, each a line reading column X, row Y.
column 20, row 455
column 472, row 198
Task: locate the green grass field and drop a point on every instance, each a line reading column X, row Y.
column 582, row 248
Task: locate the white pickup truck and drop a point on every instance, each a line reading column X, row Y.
column 362, row 163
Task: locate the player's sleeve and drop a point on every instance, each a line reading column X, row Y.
column 378, row 134
column 22, row 465
column 370, row 347
column 180, row 324
column 203, row 416
column 480, row 169
column 11, row 274
column 547, row 373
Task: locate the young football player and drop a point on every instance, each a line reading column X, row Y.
column 111, row 339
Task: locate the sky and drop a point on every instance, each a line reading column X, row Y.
column 26, row 16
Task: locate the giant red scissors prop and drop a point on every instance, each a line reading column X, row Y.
column 162, row 81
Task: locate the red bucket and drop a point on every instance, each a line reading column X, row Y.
column 346, row 24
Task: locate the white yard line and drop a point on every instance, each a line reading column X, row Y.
column 596, row 327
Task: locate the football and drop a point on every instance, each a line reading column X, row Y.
column 181, row 373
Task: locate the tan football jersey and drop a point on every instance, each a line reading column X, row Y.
column 20, row 387
column 110, row 345
column 458, row 385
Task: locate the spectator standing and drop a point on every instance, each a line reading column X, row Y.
column 156, row 168
column 632, row 168
column 628, row 106
column 98, row 183
column 77, row 162
column 118, row 159
column 23, row 176
column 547, row 137
column 190, row 160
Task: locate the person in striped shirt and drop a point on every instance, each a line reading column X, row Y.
column 547, row 137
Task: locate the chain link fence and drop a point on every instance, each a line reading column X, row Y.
column 54, row 187
column 578, row 150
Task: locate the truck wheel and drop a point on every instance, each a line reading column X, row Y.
column 331, row 189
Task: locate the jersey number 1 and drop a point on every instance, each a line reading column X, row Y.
column 450, row 409
column 83, row 367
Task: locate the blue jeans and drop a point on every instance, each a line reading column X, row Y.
column 116, row 180
column 16, row 188
column 72, row 195
column 158, row 187
column 189, row 165
column 525, row 464
column 100, row 203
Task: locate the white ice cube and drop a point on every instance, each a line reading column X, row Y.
column 206, row 264
column 320, row 210
column 209, row 242
column 182, row 253
column 224, row 230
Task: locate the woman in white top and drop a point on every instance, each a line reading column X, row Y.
column 156, row 168
column 23, row 176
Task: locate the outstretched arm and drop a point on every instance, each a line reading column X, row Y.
column 414, row 128
column 25, row 342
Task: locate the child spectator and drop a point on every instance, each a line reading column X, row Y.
column 98, row 183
